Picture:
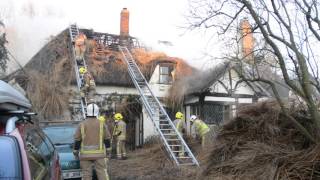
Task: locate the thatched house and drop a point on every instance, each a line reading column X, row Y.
column 49, row 80
column 215, row 94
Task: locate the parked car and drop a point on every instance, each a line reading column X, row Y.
column 26, row 152
column 62, row 137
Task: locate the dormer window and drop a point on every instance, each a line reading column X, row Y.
column 165, row 74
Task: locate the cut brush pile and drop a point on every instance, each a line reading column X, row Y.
column 262, row 144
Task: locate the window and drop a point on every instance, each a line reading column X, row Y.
column 39, row 155
column 165, row 75
column 10, row 161
column 194, row 110
column 213, row 113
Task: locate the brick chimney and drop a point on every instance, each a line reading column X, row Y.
column 247, row 40
column 124, row 23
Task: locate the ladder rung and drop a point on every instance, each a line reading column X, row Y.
column 172, row 139
column 175, row 145
column 185, row 164
column 169, row 134
column 184, row 157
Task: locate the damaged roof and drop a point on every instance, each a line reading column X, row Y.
column 201, row 83
column 104, row 61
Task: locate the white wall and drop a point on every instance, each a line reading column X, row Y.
column 187, row 118
column 116, row 89
column 160, row 90
column 148, row 127
column 242, row 88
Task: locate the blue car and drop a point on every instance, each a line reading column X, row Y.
column 61, row 136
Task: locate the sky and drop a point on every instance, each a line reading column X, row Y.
column 30, row 23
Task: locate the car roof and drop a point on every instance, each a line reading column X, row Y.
column 12, row 99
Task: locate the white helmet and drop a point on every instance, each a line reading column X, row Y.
column 92, row 110
column 193, row 117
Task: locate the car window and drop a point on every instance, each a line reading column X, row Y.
column 10, row 161
column 60, row 135
column 38, row 153
column 48, row 143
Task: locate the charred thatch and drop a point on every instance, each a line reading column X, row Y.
column 48, row 93
column 46, row 78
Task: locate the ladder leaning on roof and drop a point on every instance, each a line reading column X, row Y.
column 74, row 32
column 170, row 137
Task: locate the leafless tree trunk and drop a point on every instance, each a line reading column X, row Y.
column 292, row 31
column 3, row 49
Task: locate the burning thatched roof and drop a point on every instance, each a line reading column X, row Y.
column 104, row 61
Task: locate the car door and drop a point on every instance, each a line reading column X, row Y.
column 10, row 158
column 39, row 155
column 53, row 159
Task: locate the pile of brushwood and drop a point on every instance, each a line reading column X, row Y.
column 261, row 143
column 148, row 163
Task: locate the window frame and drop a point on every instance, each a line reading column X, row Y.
column 168, row 75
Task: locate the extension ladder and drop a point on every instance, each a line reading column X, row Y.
column 170, row 137
column 74, row 31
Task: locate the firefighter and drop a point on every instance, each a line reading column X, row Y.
column 120, row 134
column 201, row 129
column 80, row 47
column 180, row 125
column 90, row 86
column 87, row 85
column 82, row 72
column 91, row 140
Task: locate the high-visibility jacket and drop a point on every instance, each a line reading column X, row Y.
column 92, row 133
column 180, row 125
column 201, row 127
column 120, row 130
column 80, row 39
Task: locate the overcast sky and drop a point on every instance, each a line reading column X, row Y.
column 31, row 22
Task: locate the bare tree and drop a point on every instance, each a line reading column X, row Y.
column 3, row 50
column 291, row 30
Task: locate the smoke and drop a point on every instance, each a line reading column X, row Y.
column 29, row 24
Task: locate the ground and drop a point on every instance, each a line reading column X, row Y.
column 148, row 163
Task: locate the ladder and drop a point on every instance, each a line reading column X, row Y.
column 74, row 31
column 170, row 137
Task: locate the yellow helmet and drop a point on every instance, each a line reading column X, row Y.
column 82, row 70
column 102, row 118
column 118, row 117
column 179, row 115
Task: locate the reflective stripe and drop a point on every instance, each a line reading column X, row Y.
column 97, row 151
column 106, row 170
column 101, row 134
